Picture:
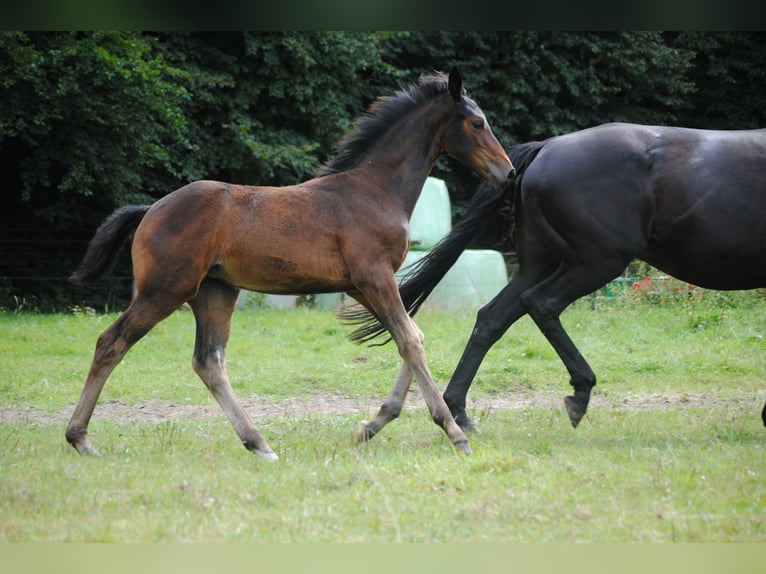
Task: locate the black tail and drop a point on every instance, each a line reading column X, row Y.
column 422, row 277
column 106, row 243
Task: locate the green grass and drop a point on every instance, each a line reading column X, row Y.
column 645, row 476
column 683, row 472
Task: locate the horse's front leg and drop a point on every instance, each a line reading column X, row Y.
column 382, row 295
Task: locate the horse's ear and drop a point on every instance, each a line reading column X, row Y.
column 455, row 84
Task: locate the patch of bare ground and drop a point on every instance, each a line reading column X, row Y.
column 156, row 412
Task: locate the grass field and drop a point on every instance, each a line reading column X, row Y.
column 671, row 450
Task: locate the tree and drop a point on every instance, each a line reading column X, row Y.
column 88, row 121
column 729, row 74
column 269, row 107
column 91, row 121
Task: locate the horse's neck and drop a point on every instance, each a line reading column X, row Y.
column 401, row 161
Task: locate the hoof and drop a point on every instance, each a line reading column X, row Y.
column 85, row 448
column 466, row 424
column 463, row 447
column 364, row 432
column 470, row 426
column 575, row 410
column 89, row 451
column 267, row 455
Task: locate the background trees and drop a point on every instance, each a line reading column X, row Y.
column 91, row 121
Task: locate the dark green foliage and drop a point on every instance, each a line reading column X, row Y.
column 268, row 107
column 729, row 73
column 93, row 121
column 88, row 121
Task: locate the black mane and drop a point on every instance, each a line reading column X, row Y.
column 381, row 114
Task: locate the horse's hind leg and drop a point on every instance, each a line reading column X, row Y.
column 213, row 307
column 391, row 407
column 111, row 347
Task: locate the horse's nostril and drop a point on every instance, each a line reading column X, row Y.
column 512, row 173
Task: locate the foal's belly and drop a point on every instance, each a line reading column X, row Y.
column 284, row 273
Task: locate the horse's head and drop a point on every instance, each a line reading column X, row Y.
column 469, row 138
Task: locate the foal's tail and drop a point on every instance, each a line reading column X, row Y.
column 423, row 276
column 106, row 243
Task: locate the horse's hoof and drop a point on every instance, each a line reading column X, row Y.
column 463, row 447
column 86, row 449
column 364, row 432
column 267, row 455
column 466, row 424
column 470, row 426
column 575, row 410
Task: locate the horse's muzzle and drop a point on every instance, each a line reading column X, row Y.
column 501, row 180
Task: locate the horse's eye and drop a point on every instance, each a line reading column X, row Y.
column 478, row 125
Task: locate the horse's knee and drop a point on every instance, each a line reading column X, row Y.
column 203, row 372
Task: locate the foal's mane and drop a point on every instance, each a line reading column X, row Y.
column 379, row 117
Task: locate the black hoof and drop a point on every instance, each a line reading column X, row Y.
column 465, row 423
column 575, row 410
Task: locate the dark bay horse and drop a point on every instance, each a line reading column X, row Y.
column 689, row 202
column 344, row 231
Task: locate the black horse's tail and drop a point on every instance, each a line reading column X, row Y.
column 106, row 243
column 423, row 276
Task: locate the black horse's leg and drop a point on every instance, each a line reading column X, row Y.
column 545, row 303
column 492, row 321
column 582, row 377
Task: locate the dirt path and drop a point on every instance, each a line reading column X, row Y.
column 156, row 412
